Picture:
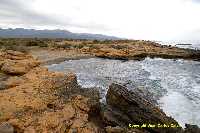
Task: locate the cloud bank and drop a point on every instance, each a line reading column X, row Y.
column 136, row 19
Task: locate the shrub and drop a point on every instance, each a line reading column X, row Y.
column 79, row 46
column 23, row 49
column 37, row 43
column 93, row 46
column 96, row 41
column 118, row 46
column 65, row 46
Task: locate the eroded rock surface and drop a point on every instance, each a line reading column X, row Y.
column 16, row 63
column 38, row 105
column 127, row 107
column 139, row 51
column 39, row 101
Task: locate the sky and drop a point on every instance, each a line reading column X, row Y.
column 133, row 19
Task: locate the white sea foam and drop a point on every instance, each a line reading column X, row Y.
column 176, row 83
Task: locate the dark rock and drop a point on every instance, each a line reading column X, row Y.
column 191, row 129
column 114, row 117
column 117, row 129
column 146, row 94
column 6, row 128
column 138, row 110
column 3, row 86
column 3, row 78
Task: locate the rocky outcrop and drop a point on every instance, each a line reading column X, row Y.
column 126, row 108
column 16, row 63
column 39, row 104
column 40, row 101
column 191, row 129
column 141, row 51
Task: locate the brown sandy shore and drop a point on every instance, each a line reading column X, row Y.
column 34, row 100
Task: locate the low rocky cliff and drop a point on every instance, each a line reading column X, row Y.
column 34, row 100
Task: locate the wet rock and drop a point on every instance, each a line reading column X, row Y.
column 114, row 117
column 146, row 94
column 191, row 129
column 138, row 110
column 117, row 129
column 6, row 128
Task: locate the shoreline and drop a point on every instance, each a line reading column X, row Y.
column 60, row 50
column 35, row 99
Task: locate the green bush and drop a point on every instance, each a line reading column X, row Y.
column 118, row 46
column 37, row 43
column 79, row 46
column 96, row 41
column 23, row 49
column 93, row 46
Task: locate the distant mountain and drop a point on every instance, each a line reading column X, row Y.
column 32, row 33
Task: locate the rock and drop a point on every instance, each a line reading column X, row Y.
column 18, row 67
column 191, row 129
column 139, row 50
column 146, row 94
column 6, row 128
column 16, row 55
column 3, row 86
column 16, row 63
column 114, row 117
column 1, row 63
column 3, row 78
column 136, row 110
column 111, row 53
column 30, row 130
column 81, row 103
column 94, row 98
column 13, row 82
column 37, row 102
column 117, row 129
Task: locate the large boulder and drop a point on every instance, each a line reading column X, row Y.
column 126, row 108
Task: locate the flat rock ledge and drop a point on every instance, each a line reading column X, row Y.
column 16, row 63
column 39, row 101
column 141, row 51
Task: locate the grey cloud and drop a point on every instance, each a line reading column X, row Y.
column 196, row 1
column 20, row 12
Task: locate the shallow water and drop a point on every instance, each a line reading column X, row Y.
column 175, row 84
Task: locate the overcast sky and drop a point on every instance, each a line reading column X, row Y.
column 135, row 19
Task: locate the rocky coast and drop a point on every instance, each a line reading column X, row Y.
column 35, row 100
